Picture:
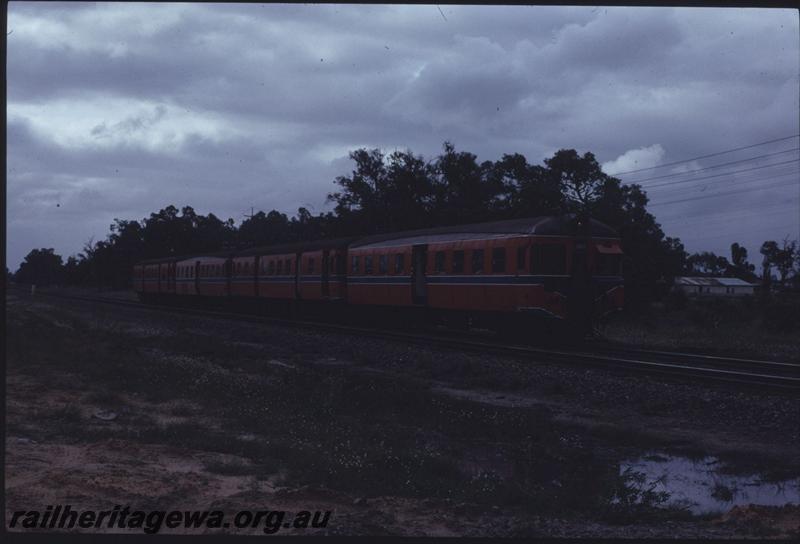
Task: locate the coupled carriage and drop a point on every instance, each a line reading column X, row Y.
column 508, row 274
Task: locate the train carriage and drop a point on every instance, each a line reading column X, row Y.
column 243, row 276
column 155, row 278
column 277, row 276
column 380, row 274
column 186, row 277
column 493, row 273
column 321, row 273
column 213, row 278
column 504, row 267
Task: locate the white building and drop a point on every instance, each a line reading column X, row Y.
column 725, row 287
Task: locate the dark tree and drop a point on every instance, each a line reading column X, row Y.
column 708, row 264
column 740, row 267
column 769, row 250
column 522, row 190
column 40, row 267
column 462, row 194
column 783, row 258
column 581, row 179
column 358, row 203
column 263, row 229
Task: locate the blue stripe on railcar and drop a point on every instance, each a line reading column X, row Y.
column 392, row 280
column 457, row 280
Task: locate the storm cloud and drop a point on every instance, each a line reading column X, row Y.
column 117, row 110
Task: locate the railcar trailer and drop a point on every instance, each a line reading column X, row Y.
column 497, row 274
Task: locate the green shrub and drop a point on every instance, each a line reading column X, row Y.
column 676, row 300
column 781, row 316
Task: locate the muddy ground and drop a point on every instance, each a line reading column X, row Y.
column 110, row 405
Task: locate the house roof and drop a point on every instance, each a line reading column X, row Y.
column 735, row 282
column 703, row 281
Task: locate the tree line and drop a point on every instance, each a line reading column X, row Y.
column 402, row 190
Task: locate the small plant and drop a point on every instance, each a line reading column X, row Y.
column 230, row 468
column 723, row 493
column 634, row 498
column 68, row 413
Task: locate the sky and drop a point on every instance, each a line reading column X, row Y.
column 118, row 110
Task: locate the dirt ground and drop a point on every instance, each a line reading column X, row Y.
column 120, row 406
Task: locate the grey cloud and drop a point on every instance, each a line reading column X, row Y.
column 492, row 80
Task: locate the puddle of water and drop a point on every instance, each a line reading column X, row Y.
column 696, row 484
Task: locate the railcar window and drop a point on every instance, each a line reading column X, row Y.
column 438, row 262
column 399, row 263
column 354, row 266
column 368, row 264
column 382, row 263
column 609, row 265
column 271, row 268
column 288, row 266
column 311, row 265
column 280, row 267
column 552, row 259
column 521, row 254
column 458, row 262
column 499, row 259
column 477, row 261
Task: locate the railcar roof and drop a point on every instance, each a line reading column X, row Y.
column 176, row 258
column 548, row 225
column 296, row 247
column 543, row 226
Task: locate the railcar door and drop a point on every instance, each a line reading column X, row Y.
column 297, row 264
column 419, row 282
column 581, row 297
column 326, row 276
column 227, row 269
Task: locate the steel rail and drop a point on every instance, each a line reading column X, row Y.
column 755, row 373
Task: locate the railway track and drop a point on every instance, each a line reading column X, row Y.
column 699, row 368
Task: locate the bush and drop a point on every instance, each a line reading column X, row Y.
column 781, row 316
column 676, row 300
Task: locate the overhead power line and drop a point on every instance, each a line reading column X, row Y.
column 711, row 217
column 735, row 183
column 784, row 184
column 709, row 155
column 722, row 174
column 715, row 166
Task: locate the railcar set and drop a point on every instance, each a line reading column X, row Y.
column 502, row 274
